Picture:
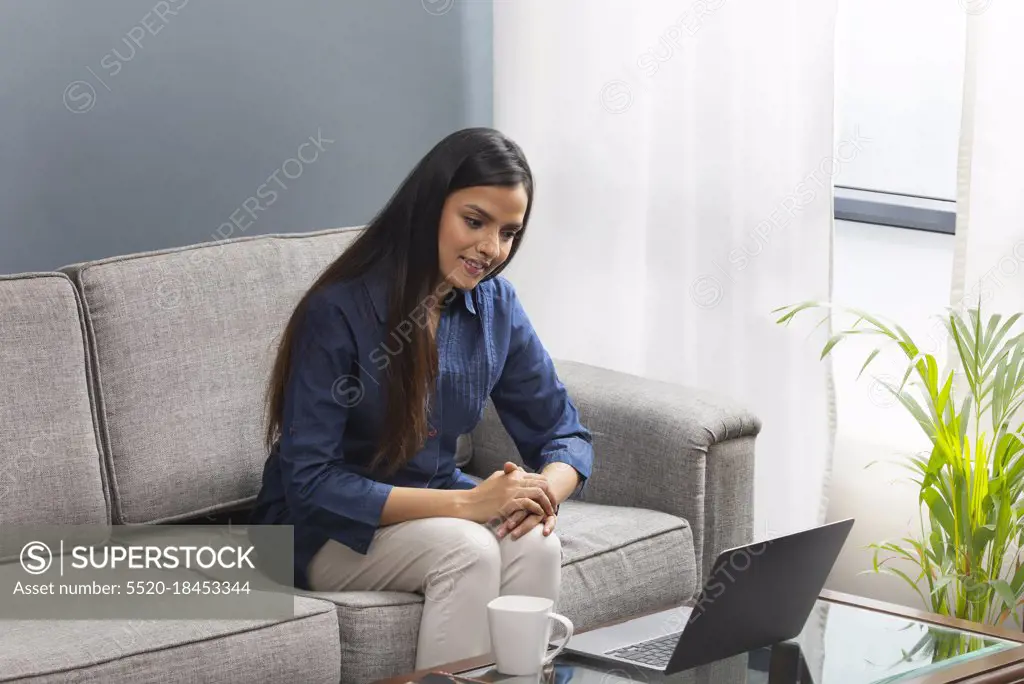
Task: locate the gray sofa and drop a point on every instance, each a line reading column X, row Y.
column 132, row 394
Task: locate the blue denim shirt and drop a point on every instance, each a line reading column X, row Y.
column 316, row 477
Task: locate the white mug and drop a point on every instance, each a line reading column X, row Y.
column 520, row 629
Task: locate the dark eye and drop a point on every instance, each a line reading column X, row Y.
column 508, row 235
column 474, row 223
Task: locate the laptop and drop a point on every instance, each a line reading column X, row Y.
column 755, row 596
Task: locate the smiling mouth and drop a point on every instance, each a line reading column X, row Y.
column 473, row 266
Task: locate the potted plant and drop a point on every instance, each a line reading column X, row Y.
column 965, row 561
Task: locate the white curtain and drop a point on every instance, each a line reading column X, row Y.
column 988, row 264
column 684, row 154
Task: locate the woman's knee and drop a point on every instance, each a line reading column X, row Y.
column 534, row 544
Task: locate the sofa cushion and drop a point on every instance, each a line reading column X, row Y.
column 464, row 450
column 184, row 341
column 50, row 468
column 378, row 630
column 303, row 648
column 620, row 562
column 616, row 563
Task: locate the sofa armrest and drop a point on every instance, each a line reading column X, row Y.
column 657, row 445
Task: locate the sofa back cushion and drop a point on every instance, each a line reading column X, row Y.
column 184, row 340
column 50, row 468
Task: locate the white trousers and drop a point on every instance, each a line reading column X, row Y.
column 458, row 566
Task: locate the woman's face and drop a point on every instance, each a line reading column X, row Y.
column 478, row 227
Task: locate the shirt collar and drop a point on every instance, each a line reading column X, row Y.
column 468, row 298
column 377, row 286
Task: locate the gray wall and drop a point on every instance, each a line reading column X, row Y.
column 106, row 152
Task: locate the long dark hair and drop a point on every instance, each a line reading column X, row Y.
column 405, row 234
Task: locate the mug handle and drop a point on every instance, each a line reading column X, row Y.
column 567, row 624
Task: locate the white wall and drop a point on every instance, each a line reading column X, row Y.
column 899, row 76
column 904, row 275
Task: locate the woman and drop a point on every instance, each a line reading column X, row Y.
column 386, row 360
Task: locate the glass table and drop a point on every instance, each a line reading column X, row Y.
column 846, row 640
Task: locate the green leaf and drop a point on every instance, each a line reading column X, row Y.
column 924, row 557
column 795, row 309
column 1005, row 593
column 982, row 536
column 912, row 405
column 908, row 344
column 835, row 339
column 875, row 321
column 870, row 358
column 959, row 334
column 940, row 509
column 942, row 583
column 943, row 398
column 938, row 547
column 902, row 575
column 899, row 551
column 1017, row 583
column 1006, row 328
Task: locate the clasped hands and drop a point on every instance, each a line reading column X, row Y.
column 518, row 499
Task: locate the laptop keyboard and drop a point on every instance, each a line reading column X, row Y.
column 655, row 652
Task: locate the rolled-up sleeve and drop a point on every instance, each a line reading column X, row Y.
column 534, row 405
column 320, row 487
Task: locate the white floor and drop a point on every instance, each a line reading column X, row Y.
column 904, row 275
